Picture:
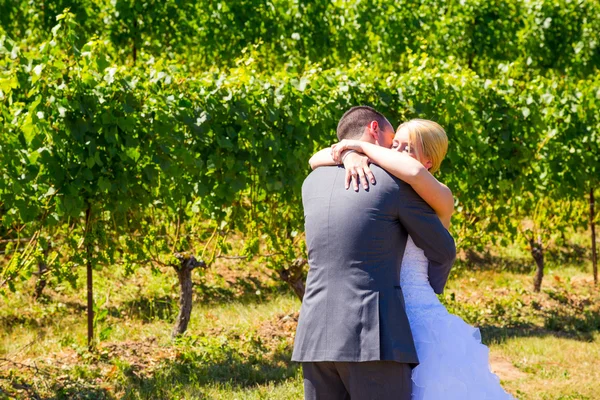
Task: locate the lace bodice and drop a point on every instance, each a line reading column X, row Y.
column 414, row 266
column 419, row 297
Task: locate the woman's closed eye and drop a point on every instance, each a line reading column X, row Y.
column 398, row 146
column 401, row 147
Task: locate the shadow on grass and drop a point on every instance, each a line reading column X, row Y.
column 497, row 335
column 147, row 308
column 24, row 318
column 486, row 261
column 571, row 254
column 13, row 386
column 191, row 372
column 79, row 392
column 10, row 323
column 245, row 290
column 562, row 322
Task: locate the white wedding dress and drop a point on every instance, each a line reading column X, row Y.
column 453, row 363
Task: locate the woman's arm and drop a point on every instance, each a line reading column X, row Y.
column 356, row 165
column 322, row 158
column 410, row 170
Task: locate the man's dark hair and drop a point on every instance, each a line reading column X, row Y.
column 354, row 121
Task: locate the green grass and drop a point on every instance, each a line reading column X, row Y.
column 238, row 345
column 554, row 366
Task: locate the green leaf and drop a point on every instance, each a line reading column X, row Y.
column 87, row 174
column 51, row 191
column 133, row 153
column 104, row 184
column 28, row 128
column 37, row 73
column 90, row 161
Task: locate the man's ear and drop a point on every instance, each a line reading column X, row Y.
column 374, row 130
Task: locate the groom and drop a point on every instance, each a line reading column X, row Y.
column 353, row 337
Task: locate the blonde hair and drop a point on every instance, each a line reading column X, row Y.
column 431, row 136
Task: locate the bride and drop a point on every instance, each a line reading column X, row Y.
column 454, row 364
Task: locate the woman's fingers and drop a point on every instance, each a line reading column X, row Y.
column 362, row 177
column 336, row 153
column 348, row 178
column 369, row 174
column 357, row 170
column 355, row 179
column 352, row 178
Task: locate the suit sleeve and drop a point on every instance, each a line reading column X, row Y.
column 428, row 233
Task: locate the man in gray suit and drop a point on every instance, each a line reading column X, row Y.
column 353, row 337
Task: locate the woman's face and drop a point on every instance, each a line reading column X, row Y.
column 402, row 144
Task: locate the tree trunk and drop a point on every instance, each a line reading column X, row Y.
column 537, row 251
column 42, row 281
column 42, row 275
column 593, row 227
column 90, row 283
column 294, row 276
column 184, row 274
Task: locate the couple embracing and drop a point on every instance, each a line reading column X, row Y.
column 371, row 325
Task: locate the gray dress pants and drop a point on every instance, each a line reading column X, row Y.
column 370, row 380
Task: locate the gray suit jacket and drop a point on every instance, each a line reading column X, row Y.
column 353, row 308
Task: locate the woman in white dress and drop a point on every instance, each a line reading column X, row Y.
column 453, row 363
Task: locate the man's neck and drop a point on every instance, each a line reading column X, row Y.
column 367, row 139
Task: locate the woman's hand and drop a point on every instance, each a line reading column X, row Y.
column 337, row 150
column 357, row 169
column 357, row 165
